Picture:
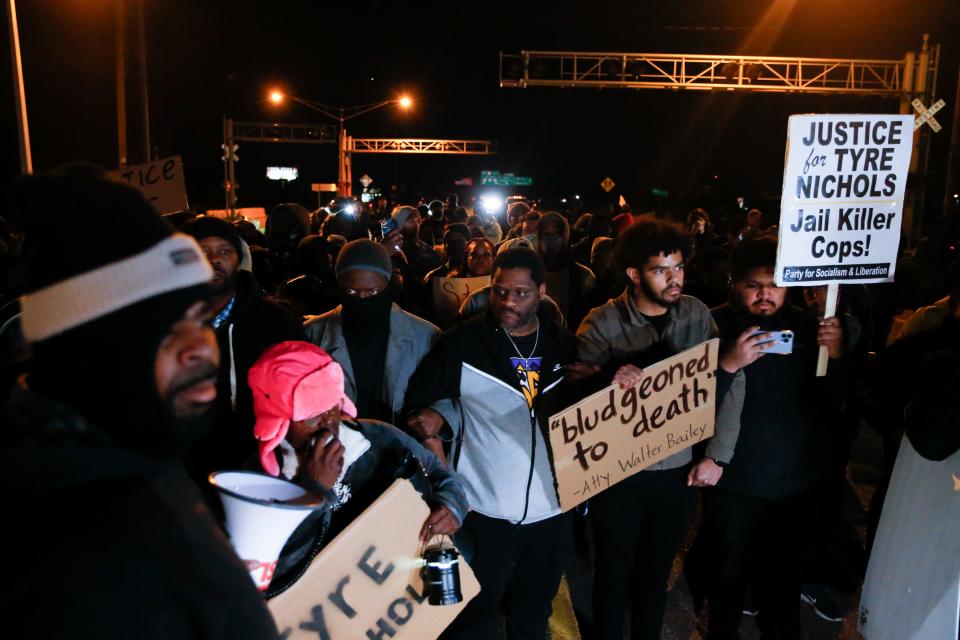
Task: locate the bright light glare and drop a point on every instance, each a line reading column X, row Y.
column 276, row 97
column 491, row 202
column 405, row 102
column 351, row 209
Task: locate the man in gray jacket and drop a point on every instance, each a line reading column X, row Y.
column 378, row 344
column 504, row 372
column 639, row 523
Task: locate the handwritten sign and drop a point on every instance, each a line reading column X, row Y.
column 161, row 181
column 616, row 432
column 366, row 583
column 842, row 200
column 449, row 294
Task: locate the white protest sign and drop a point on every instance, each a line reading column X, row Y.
column 161, row 181
column 366, row 582
column 843, row 186
column 616, row 432
column 449, row 294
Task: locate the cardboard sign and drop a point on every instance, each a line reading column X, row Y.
column 161, row 182
column 615, row 433
column 449, row 294
column 843, row 185
column 366, row 582
column 912, row 586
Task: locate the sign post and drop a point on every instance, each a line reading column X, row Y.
column 842, row 202
column 616, row 432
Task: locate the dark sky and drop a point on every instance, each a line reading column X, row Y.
column 210, row 57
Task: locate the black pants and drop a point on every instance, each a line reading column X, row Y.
column 638, row 525
column 519, row 569
column 759, row 543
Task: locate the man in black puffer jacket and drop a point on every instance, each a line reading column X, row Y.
column 107, row 536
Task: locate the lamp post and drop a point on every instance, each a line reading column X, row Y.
column 341, row 114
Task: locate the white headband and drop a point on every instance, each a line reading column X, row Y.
column 173, row 263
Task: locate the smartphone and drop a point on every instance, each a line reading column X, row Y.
column 782, row 341
column 387, row 226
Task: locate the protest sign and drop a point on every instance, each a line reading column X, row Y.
column 616, row 432
column 449, row 294
column 161, row 181
column 843, row 186
column 366, row 582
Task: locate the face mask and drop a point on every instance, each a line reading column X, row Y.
column 368, row 313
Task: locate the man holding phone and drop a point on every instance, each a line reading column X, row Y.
column 758, row 520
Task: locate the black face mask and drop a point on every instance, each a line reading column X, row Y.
column 363, row 314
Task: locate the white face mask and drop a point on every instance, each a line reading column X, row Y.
column 354, row 445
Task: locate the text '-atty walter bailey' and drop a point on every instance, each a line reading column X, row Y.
column 842, row 202
column 616, row 432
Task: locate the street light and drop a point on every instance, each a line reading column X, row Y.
column 341, row 114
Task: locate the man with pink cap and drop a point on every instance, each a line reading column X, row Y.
column 307, row 432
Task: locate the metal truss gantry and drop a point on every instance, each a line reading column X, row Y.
column 273, row 132
column 284, row 132
column 417, row 145
column 701, row 72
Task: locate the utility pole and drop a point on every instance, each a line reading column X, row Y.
column 132, row 66
column 19, row 96
column 121, row 39
column 953, row 156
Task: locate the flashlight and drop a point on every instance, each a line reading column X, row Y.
column 441, row 576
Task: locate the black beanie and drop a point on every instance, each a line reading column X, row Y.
column 97, row 246
column 208, row 226
column 78, row 222
column 365, row 255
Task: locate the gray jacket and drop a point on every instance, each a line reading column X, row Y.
column 410, row 340
column 615, row 332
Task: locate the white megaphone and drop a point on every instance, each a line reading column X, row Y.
column 261, row 513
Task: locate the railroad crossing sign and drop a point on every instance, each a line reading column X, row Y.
column 231, row 153
column 607, row 184
column 366, row 181
column 926, row 115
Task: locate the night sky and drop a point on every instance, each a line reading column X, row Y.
column 208, row 58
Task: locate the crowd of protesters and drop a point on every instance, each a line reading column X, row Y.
column 140, row 354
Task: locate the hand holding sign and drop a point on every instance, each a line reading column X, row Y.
column 628, row 376
column 830, row 335
column 367, row 582
column 655, row 413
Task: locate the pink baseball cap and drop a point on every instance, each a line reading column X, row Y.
column 292, row 380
